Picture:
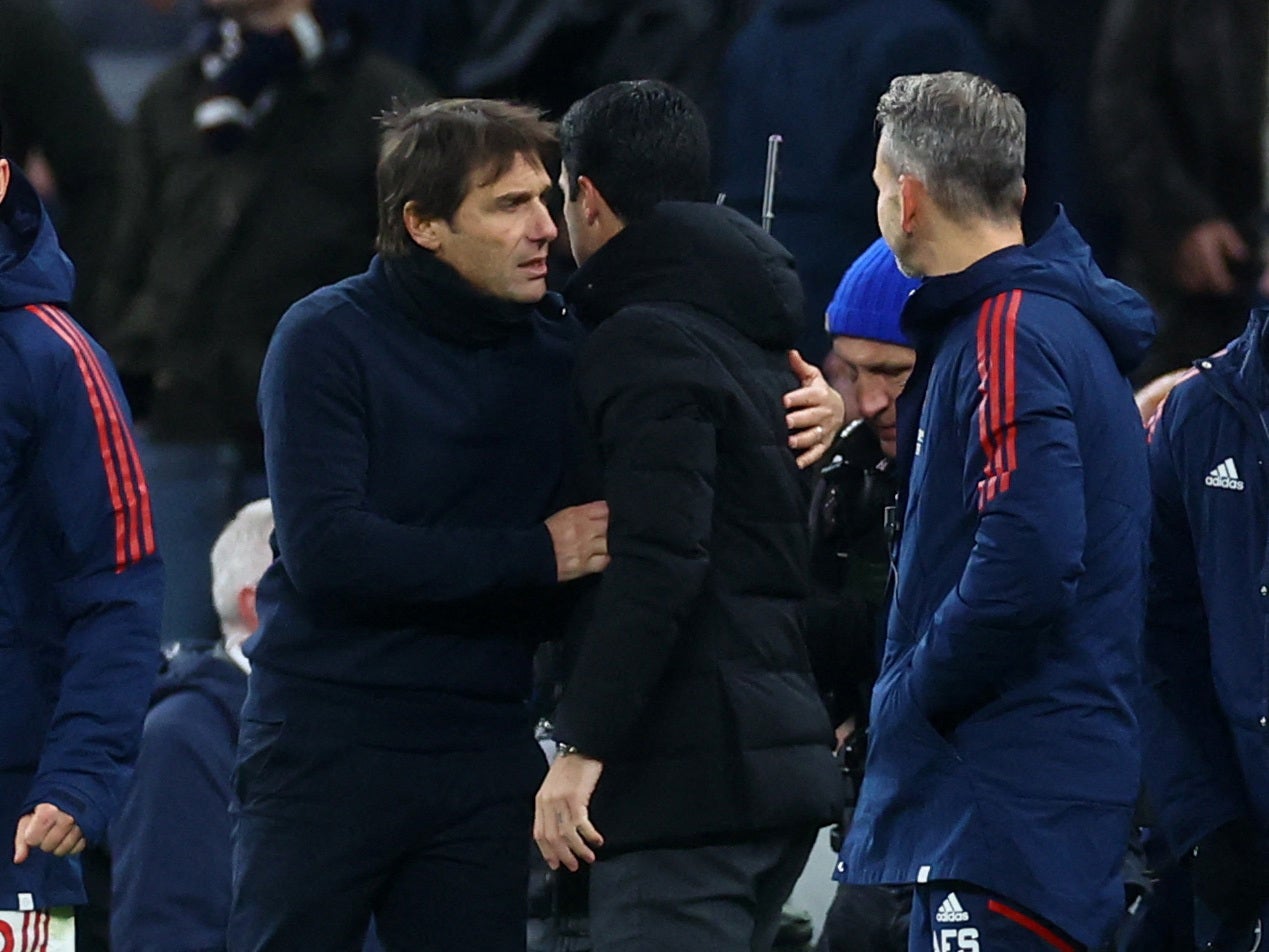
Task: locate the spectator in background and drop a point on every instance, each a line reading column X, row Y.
column 56, row 120
column 81, row 577
column 1179, row 112
column 1003, row 760
column 1205, row 713
column 249, row 182
column 850, row 559
column 170, row 843
column 812, row 71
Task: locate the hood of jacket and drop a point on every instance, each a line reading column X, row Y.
column 1244, row 365
column 1059, row 264
column 699, row 254
column 33, row 268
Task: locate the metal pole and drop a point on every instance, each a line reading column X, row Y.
column 768, row 188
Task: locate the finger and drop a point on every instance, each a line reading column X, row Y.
column 20, row 848
column 587, row 831
column 807, row 417
column 811, row 456
column 81, row 844
column 40, row 822
column 72, row 842
column 805, row 372
column 60, row 831
column 810, row 397
column 577, row 847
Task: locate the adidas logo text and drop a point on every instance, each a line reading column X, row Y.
column 1225, row 476
column 951, row 910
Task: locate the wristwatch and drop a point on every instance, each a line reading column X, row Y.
column 565, row 750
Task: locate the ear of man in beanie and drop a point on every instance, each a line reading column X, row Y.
column 870, row 298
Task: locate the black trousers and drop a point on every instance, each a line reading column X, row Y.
column 434, row 845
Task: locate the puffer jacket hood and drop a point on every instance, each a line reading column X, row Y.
column 33, row 267
column 1059, row 264
column 699, row 254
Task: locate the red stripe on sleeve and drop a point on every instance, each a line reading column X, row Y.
column 997, row 421
column 129, row 497
column 984, row 428
column 1036, row 928
column 1011, row 391
column 138, row 492
column 989, row 409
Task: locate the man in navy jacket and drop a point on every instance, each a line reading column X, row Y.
column 1004, row 754
column 81, row 579
column 1206, row 713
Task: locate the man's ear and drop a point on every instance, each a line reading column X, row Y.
column 593, row 202
column 426, row 232
column 4, row 178
column 912, row 199
column 247, row 608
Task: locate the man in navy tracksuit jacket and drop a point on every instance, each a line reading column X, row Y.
column 1206, row 717
column 80, row 577
column 1004, row 758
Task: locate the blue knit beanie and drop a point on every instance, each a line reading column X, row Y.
column 870, row 298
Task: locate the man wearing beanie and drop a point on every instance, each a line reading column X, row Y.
column 1004, row 757
column 849, row 560
column 81, row 579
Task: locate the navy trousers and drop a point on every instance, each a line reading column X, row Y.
column 956, row 917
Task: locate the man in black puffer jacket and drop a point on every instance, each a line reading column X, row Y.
column 691, row 692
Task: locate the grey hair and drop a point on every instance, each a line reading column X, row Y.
column 962, row 137
column 239, row 558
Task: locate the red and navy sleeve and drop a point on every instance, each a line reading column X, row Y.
column 1024, row 476
column 88, row 483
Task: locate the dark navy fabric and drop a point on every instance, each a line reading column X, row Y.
column 80, row 581
column 1207, row 625
column 812, row 71
column 411, row 476
column 170, row 848
column 435, row 844
column 1004, row 750
column 956, row 917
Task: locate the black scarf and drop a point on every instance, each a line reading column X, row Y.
column 440, row 299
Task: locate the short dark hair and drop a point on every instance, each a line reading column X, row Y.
column 429, row 155
column 960, row 135
column 640, row 142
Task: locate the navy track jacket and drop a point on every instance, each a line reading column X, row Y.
column 80, row 581
column 1206, row 717
column 1004, row 749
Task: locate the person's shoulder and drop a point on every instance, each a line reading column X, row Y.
column 331, row 308
column 645, row 328
column 41, row 336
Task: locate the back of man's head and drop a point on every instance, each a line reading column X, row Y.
column 640, row 142
column 238, row 559
column 962, row 137
column 433, row 154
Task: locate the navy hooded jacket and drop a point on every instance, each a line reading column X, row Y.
column 1206, row 717
column 1004, row 749
column 170, row 844
column 80, row 582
